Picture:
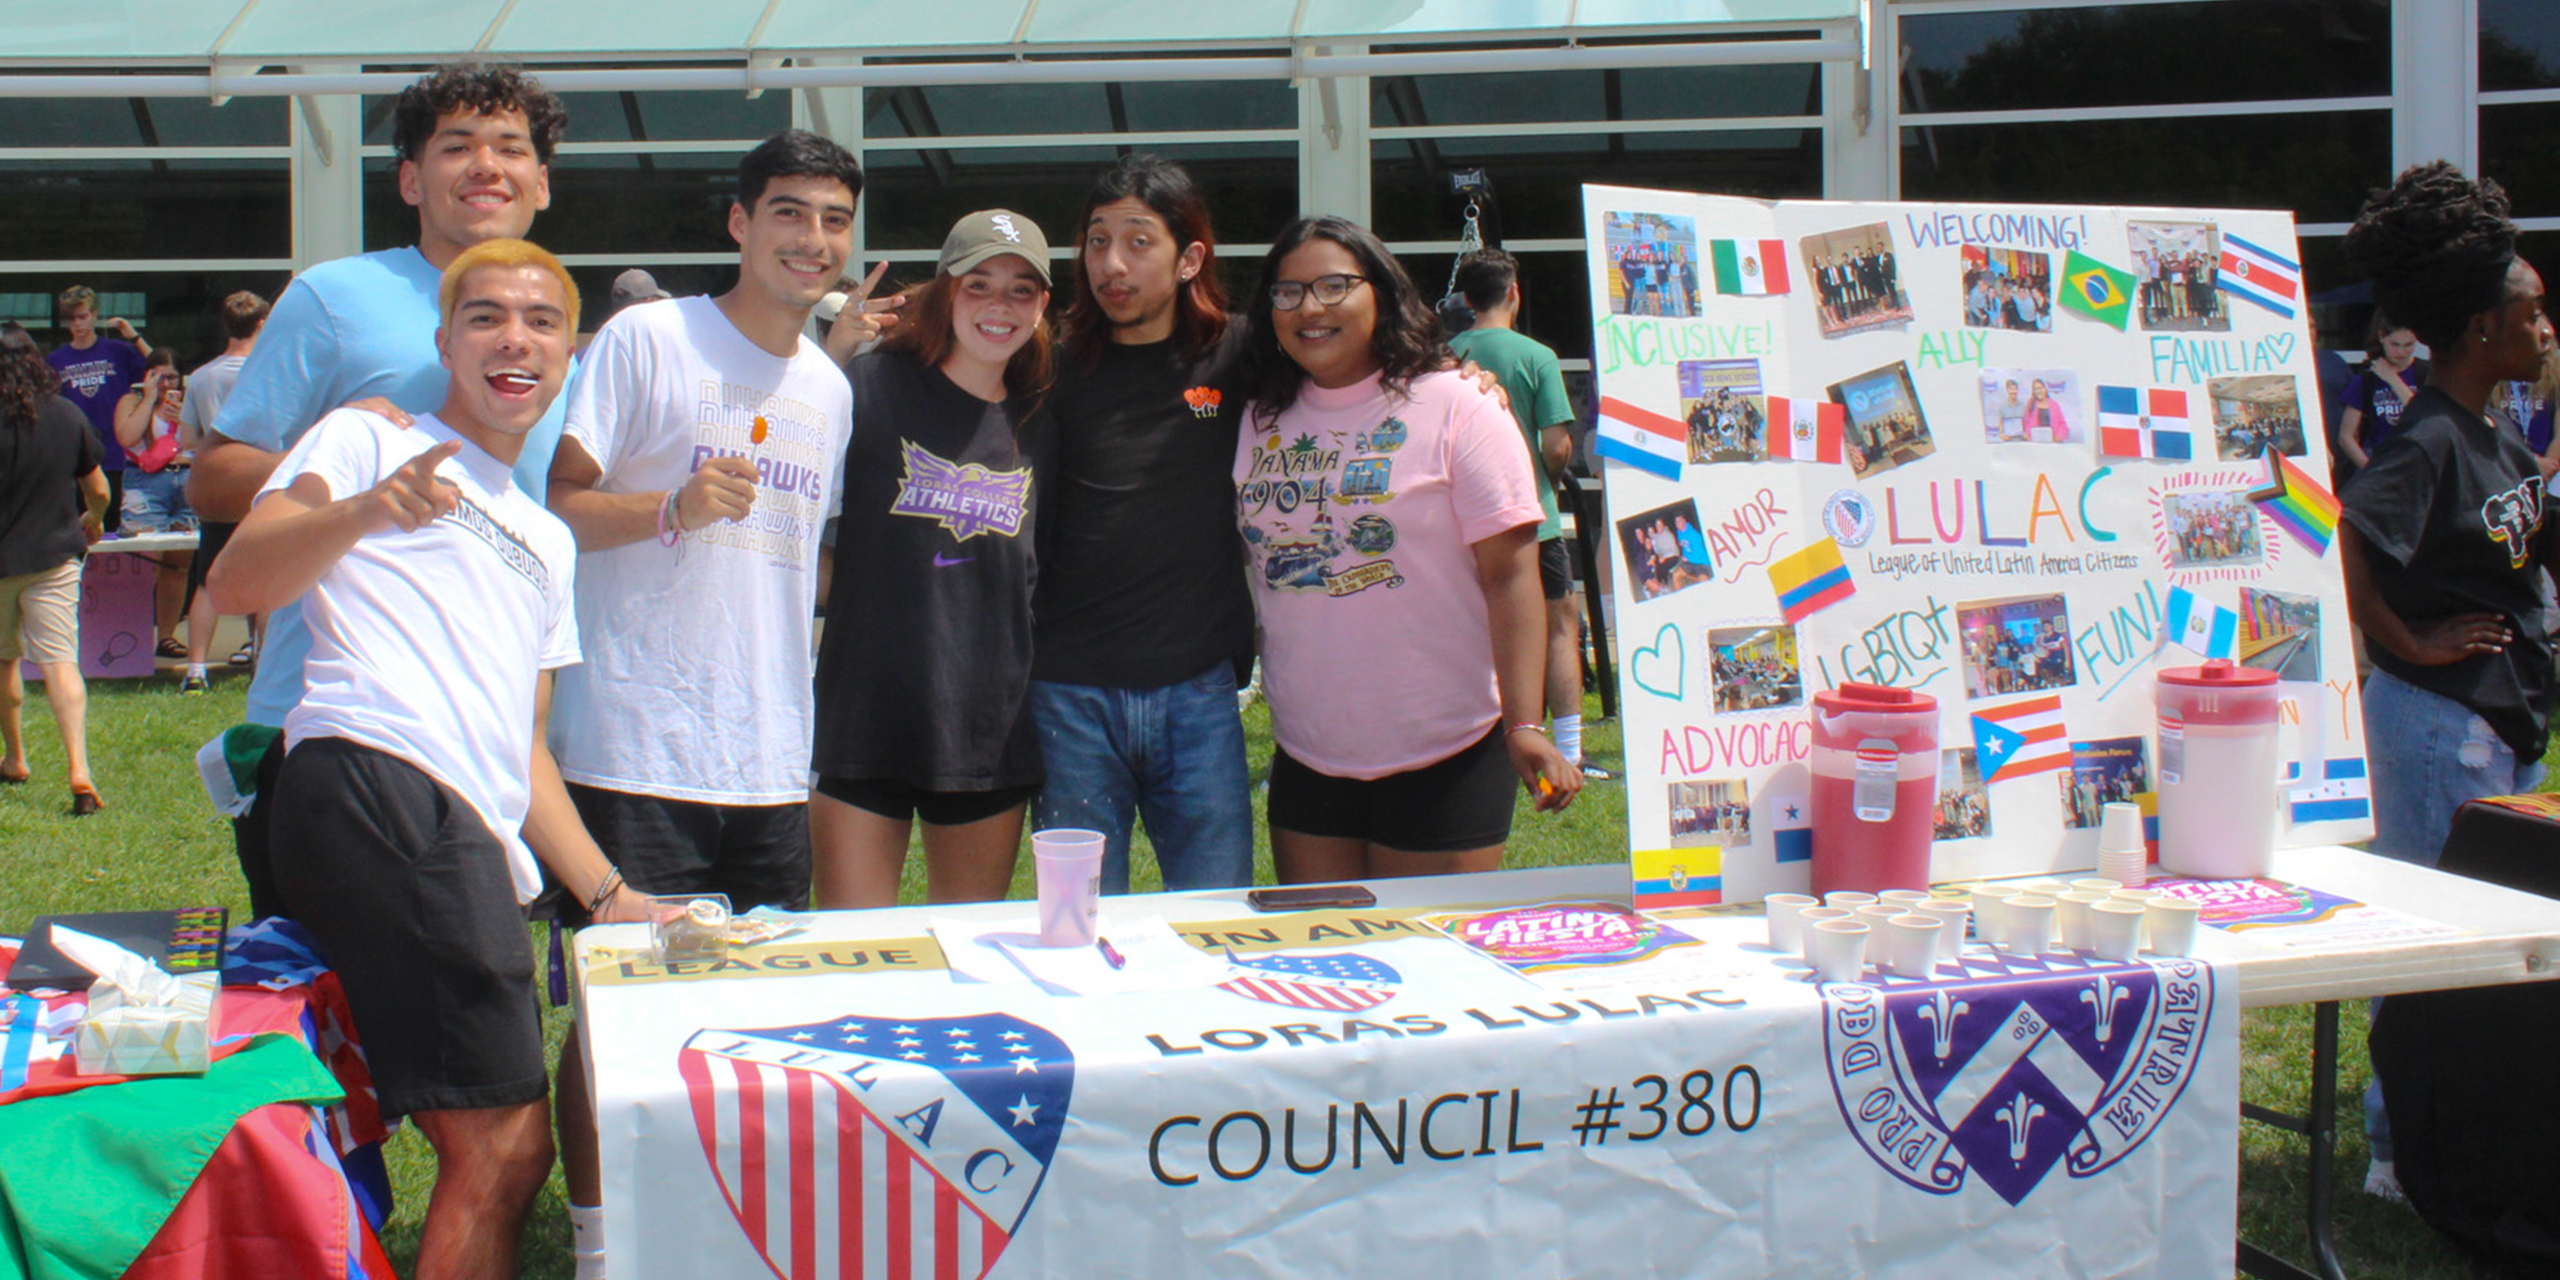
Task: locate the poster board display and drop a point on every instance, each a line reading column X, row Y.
column 2017, row 458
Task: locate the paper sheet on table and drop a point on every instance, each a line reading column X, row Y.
column 1008, row 950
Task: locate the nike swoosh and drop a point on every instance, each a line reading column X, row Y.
column 941, row 561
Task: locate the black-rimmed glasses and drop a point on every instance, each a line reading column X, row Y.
column 1289, row 295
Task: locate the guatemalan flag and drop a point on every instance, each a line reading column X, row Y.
column 2201, row 625
column 875, row 1147
column 2249, row 272
column 1641, row 438
column 2133, row 423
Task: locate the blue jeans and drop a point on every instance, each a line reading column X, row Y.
column 1174, row 755
column 2429, row 755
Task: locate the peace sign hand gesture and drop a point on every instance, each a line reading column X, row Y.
column 864, row 319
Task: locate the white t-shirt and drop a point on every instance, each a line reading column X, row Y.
column 428, row 645
column 696, row 684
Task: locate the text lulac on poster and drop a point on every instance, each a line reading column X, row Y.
column 2015, row 458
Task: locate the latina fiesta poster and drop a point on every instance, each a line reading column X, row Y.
column 2017, row 458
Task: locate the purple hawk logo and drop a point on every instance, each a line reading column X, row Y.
column 1326, row 981
column 968, row 499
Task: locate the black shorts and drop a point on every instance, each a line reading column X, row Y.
column 114, row 521
column 1463, row 802
column 408, row 894
column 758, row 854
column 1555, row 568
column 898, row 802
column 211, row 537
column 250, row 840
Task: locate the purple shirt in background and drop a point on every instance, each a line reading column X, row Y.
column 94, row 380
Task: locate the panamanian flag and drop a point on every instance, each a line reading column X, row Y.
column 880, row 1147
column 1641, row 438
column 2135, row 423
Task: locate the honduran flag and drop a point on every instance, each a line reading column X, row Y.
column 2259, row 276
column 1806, row 430
column 2133, row 423
column 1641, row 438
column 1749, row 267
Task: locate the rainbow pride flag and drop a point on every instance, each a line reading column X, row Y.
column 2298, row 504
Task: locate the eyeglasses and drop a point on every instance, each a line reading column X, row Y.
column 1289, row 295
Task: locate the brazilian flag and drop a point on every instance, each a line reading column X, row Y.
column 2097, row 290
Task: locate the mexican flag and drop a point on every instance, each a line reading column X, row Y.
column 1751, row 268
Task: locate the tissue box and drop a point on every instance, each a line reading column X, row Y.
column 118, row 1039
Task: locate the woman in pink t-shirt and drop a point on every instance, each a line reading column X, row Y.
column 1390, row 512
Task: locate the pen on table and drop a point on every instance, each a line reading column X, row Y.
column 1111, row 953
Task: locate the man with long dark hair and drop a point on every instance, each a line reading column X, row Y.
column 1142, row 614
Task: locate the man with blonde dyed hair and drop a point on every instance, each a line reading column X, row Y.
column 416, row 793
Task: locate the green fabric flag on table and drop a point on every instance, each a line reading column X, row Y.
column 2096, row 290
column 86, row 1178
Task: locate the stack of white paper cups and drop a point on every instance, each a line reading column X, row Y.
column 2121, row 854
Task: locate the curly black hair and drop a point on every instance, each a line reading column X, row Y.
column 2438, row 245
column 26, row 381
column 1407, row 341
column 480, row 88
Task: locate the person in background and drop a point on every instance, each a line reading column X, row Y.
column 2527, row 406
column 2376, row 395
column 1404, row 641
column 1531, row 378
column 924, row 675
column 96, row 372
column 2443, row 541
column 155, row 488
column 244, row 314
column 53, row 504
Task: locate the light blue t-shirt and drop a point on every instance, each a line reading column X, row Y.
column 345, row 330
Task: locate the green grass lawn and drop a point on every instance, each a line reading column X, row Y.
column 159, row 844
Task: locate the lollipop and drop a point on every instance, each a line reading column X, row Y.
column 756, row 434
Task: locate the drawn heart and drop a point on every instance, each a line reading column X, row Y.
column 2281, row 343
column 1667, row 638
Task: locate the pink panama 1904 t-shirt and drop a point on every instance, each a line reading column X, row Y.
column 1360, row 510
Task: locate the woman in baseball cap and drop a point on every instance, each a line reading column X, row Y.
column 924, row 673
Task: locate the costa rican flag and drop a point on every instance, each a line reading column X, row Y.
column 1641, row 438
column 1329, row 982
column 2144, row 424
column 2259, row 276
column 873, row 1147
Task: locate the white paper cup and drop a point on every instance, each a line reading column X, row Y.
column 2120, row 826
column 1847, row 898
column 2045, row 888
column 1953, row 915
column 1839, row 949
column 2137, row 897
column 1786, row 926
column 1903, row 898
column 1877, row 915
column 2026, row 924
column 1911, row 943
column 1989, row 922
column 2129, row 867
column 2172, row 925
column 2099, row 885
column 1807, row 919
column 1067, row 864
column 2071, row 910
column 2115, row 928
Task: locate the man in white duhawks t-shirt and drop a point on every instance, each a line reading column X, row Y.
column 416, row 793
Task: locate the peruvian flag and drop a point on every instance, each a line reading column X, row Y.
column 1806, row 430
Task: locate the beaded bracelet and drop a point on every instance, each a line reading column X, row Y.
column 669, row 530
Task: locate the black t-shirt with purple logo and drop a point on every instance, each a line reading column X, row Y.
column 2451, row 510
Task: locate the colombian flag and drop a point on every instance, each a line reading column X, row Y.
column 1811, row 580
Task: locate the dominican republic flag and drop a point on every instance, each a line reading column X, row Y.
column 1806, row 430
column 1327, row 982
column 874, row 1147
column 2020, row 738
column 2202, row 625
column 2250, row 272
column 1749, row 267
column 2133, row 423
column 1641, row 438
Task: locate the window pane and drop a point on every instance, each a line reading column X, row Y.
column 913, row 197
column 599, row 204
column 1664, row 93
column 658, row 115
column 1555, row 297
column 146, row 209
column 960, row 111
column 2216, row 51
column 1537, row 181
column 2520, row 147
column 142, row 122
column 2319, row 166
column 181, row 310
column 2519, row 44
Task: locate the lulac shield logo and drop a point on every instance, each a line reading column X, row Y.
column 873, row 1147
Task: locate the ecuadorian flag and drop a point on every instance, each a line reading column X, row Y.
column 1811, row 580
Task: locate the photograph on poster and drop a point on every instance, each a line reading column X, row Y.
column 1719, row 401
column 2173, row 267
column 1666, row 549
column 1886, row 427
column 2031, row 406
column 1715, row 812
column 1964, row 804
column 2018, row 645
column 2280, row 632
column 1754, row 668
column 1656, row 261
column 2255, row 415
column 2007, row 289
column 2103, row 773
column 1856, row 281
column 2211, row 528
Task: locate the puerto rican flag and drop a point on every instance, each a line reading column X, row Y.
column 1641, row 438
column 2259, row 276
column 1806, row 430
column 2134, row 423
column 2021, row 738
column 1328, row 981
column 879, row 1147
